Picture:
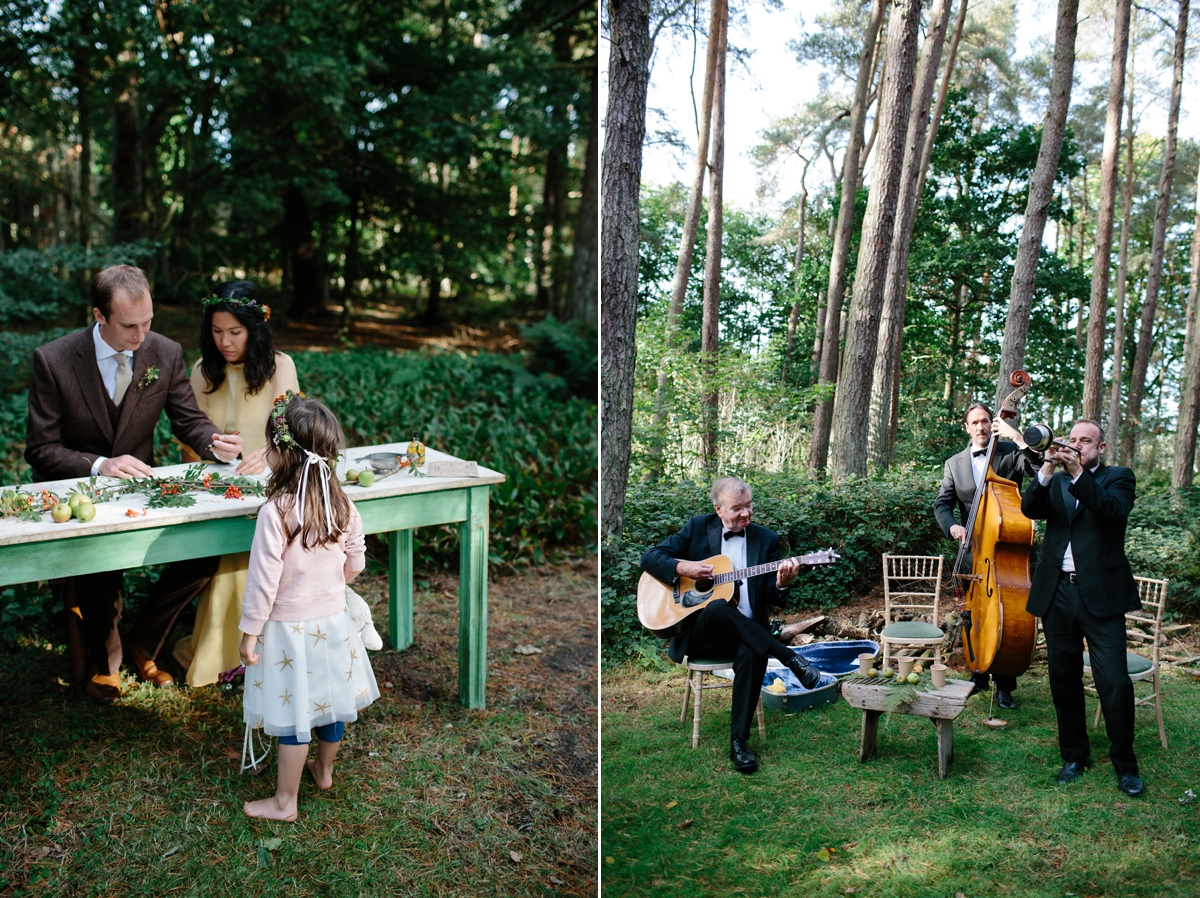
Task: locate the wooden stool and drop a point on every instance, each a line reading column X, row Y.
column 695, row 686
column 940, row 706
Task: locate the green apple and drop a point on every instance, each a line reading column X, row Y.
column 61, row 513
column 914, row 678
column 76, row 498
column 872, row 673
column 352, row 474
column 366, row 478
column 85, row 512
column 888, row 672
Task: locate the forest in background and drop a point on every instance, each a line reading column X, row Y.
column 435, row 157
column 941, row 211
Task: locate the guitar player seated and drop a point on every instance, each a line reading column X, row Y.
column 737, row 629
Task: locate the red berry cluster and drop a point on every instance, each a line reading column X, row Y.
column 134, row 513
column 233, row 493
column 48, row 500
column 207, row 480
column 171, row 489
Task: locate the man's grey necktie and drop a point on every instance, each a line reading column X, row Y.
column 124, row 377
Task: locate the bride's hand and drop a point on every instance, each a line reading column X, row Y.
column 254, row 463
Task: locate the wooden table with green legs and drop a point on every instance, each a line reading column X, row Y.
column 392, row 507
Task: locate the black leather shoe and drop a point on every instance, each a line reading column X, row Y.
column 1071, row 771
column 1131, row 784
column 808, row 675
column 1005, row 700
column 741, row 756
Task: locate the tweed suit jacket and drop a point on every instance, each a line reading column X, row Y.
column 700, row 538
column 1095, row 529
column 69, row 425
column 958, row 480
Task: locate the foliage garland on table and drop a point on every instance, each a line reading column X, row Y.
column 895, row 694
column 161, row 492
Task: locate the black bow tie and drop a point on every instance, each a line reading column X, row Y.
column 978, row 452
column 730, row 534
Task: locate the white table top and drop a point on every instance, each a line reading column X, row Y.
column 111, row 518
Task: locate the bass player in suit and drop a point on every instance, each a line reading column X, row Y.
column 1082, row 589
column 738, row 629
column 95, row 397
column 963, row 472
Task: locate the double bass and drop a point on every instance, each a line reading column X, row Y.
column 991, row 573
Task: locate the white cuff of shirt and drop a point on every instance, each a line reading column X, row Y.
column 1042, row 478
column 96, row 465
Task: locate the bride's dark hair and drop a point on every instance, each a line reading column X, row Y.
column 260, row 349
column 311, row 426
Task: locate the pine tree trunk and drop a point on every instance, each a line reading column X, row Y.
column 1189, row 398
column 940, row 107
column 1093, row 378
column 851, row 416
column 896, row 279
column 581, row 296
column 81, row 59
column 127, row 182
column 711, row 325
column 1041, row 192
column 794, row 314
column 1114, row 409
column 624, row 133
column 1141, row 361
column 830, row 348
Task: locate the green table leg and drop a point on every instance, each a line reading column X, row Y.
column 472, row 601
column 400, row 588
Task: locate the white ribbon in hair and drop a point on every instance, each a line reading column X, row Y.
column 323, row 468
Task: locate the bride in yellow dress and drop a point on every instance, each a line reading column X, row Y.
column 236, row 381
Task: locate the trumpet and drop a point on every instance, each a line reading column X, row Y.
column 1039, row 438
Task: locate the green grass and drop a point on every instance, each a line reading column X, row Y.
column 997, row 825
column 144, row 798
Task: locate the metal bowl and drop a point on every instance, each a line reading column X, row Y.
column 381, row 461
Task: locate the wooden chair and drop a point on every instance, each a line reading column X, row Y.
column 695, row 687
column 913, row 584
column 1153, row 594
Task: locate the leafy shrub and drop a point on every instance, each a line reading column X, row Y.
column 862, row 520
column 16, row 356
column 566, row 349
column 45, row 284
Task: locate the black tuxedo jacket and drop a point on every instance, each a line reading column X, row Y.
column 69, row 426
column 958, row 480
column 1096, row 531
column 701, row 538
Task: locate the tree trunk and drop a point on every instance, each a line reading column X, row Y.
column 943, row 91
column 1093, row 378
column 830, row 349
column 127, row 153
column 711, row 325
column 581, row 297
column 852, row 414
column 1189, row 399
column 1137, row 376
column 1041, row 191
column 81, row 59
column 794, row 314
column 1114, row 408
column 305, row 295
column 896, row 279
column 624, row 132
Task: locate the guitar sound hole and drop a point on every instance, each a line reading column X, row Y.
column 703, row 586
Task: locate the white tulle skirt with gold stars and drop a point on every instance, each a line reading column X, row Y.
column 309, row 673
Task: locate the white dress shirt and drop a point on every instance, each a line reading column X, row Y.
column 735, row 550
column 978, row 462
column 106, row 361
column 1068, row 562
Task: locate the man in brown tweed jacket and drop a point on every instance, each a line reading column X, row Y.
column 93, row 405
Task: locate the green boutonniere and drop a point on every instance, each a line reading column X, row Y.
column 148, row 378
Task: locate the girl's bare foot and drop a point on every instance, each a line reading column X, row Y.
column 270, row 809
column 323, row 778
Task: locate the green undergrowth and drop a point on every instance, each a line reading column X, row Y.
column 815, row 821
column 862, row 520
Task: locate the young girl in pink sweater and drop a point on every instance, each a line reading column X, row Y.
column 306, row 668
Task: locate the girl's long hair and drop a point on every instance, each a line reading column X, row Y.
column 260, row 349
column 313, row 427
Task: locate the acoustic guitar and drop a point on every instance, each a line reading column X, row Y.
column 664, row 609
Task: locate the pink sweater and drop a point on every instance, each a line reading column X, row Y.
column 287, row 582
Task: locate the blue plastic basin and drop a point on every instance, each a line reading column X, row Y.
column 837, row 658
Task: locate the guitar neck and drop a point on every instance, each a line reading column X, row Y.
column 757, row 570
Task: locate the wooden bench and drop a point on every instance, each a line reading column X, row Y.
column 940, row 706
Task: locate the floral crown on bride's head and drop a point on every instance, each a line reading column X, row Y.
column 282, row 433
column 243, row 302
